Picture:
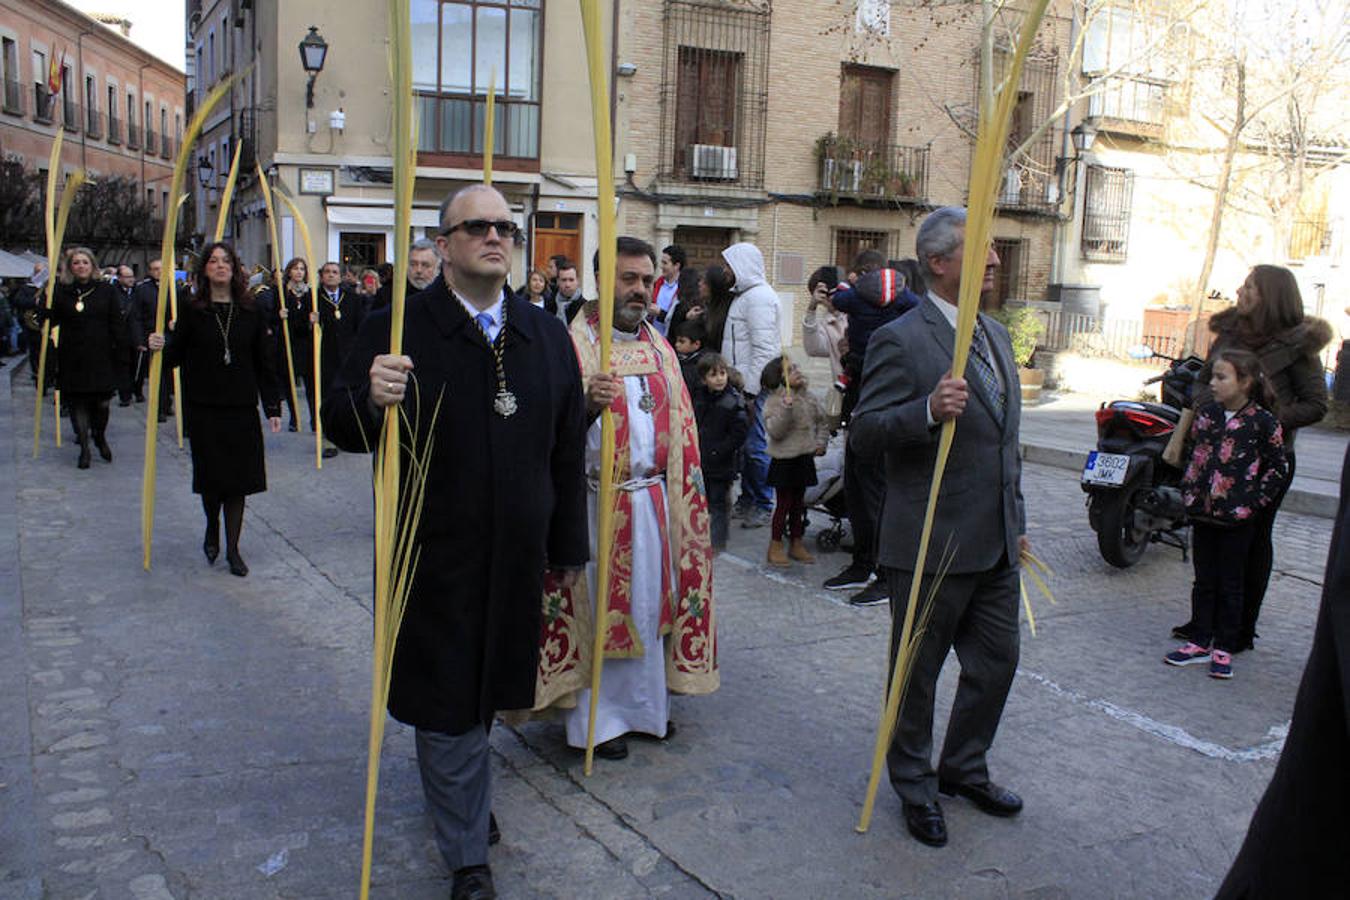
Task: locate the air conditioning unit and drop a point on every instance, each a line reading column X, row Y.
column 713, row 162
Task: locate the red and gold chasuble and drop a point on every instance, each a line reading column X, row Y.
column 687, row 623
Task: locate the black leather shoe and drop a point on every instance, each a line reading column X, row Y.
column 293, row 427
column 83, row 461
column 237, row 565
column 1184, row 632
column 925, row 821
column 211, row 549
column 494, row 833
column 103, row 449
column 615, row 748
column 473, row 883
column 992, row 798
column 329, row 452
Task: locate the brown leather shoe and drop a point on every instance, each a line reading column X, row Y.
column 777, row 555
column 797, row 550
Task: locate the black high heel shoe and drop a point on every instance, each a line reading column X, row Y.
column 211, row 544
column 237, row 565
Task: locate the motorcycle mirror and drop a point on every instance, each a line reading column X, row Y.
column 1140, row 351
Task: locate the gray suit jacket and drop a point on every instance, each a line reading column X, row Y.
column 980, row 513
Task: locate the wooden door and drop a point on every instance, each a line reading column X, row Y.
column 865, row 105
column 556, row 233
column 703, row 246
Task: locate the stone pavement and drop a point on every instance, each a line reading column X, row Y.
column 1061, row 431
column 183, row 733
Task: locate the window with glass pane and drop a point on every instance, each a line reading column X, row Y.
column 459, row 48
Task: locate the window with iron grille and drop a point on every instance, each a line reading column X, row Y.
column 849, row 242
column 1030, row 184
column 1309, row 237
column 1107, row 193
column 714, row 92
column 1010, row 279
column 457, row 46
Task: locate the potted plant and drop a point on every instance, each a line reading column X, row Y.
column 1025, row 328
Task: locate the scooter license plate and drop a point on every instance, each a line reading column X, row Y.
column 1106, row 468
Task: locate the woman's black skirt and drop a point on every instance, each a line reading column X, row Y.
column 227, row 450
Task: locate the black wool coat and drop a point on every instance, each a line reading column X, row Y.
column 91, row 353
column 722, row 426
column 505, row 500
column 1296, row 843
column 339, row 333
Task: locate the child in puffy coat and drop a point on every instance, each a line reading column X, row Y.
column 1237, row 467
column 798, row 433
column 723, row 422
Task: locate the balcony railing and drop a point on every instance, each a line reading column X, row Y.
column 70, row 115
column 13, row 97
column 887, row 173
column 248, row 137
column 93, row 123
column 151, row 141
column 114, row 130
column 165, row 147
column 1029, row 187
column 1131, row 104
column 42, row 104
column 459, row 128
column 133, row 135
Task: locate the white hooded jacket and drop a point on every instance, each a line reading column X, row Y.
column 751, row 337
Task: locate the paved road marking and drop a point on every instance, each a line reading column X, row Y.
column 1171, row 733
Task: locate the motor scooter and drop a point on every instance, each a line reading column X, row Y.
column 1133, row 495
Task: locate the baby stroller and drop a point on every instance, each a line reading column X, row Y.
column 827, row 495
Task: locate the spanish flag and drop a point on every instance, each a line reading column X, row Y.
column 55, row 73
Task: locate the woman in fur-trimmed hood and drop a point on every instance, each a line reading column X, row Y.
column 1269, row 321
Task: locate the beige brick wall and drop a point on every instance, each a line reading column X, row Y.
column 932, row 51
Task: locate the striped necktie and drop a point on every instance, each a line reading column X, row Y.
column 982, row 360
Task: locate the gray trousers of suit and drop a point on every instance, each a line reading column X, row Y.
column 977, row 614
column 457, row 781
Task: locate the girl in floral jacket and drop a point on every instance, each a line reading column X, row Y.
column 1237, row 468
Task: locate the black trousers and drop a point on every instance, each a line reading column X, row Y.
column 977, row 614
column 1260, row 561
column 1217, row 596
column 718, row 511
column 864, row 491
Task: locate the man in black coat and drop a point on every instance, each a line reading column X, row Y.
column 340, row 314
column 126, row 298
column 496, row 382
column 1296, row 846
column 144, row 301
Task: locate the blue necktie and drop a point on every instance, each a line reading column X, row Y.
column 485, row 322
column 982, row 359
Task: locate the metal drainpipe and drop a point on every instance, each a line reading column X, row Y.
column 140, row 100
column 1056, row 253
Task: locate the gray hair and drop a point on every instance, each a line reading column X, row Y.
column 464, row 191
column 939, row 235
column 422, row 244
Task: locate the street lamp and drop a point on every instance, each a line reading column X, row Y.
column 313, row 52
column 205, row 171
column 1084, row 135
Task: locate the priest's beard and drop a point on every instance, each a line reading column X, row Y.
column 628, row 318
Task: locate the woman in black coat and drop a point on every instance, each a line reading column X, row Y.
column 221, row 342
column 296, row 306
column 1269, row 321
column 90, row 349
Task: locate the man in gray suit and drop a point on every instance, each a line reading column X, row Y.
column 980, row 527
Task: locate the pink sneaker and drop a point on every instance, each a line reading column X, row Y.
column 1220, row 665
column 1188, row 654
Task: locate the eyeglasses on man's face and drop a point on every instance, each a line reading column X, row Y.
column 479, row 228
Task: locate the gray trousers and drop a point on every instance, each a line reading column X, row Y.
column 976, row 614
column 457, row 780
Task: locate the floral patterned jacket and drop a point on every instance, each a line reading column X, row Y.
column 1238, row 465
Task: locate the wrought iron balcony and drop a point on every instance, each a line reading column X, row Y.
column 1029, row 187
column 165, row 147
column 42, row 104
column 114, row 130
column 133, row 135
column 70, row 115
column 1129, row 104
column 93, row 123
column 151, row 141
column 865, row 172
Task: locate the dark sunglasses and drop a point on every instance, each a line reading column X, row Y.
column 479, row 227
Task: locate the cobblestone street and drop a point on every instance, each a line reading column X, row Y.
column 182, row 733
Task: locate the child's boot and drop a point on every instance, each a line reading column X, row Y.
column 777, row 556
column 797, row 550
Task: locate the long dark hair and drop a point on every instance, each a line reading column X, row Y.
column 1247, row 364
column 1278, row 308
column 720, row 282
column 201, row 297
